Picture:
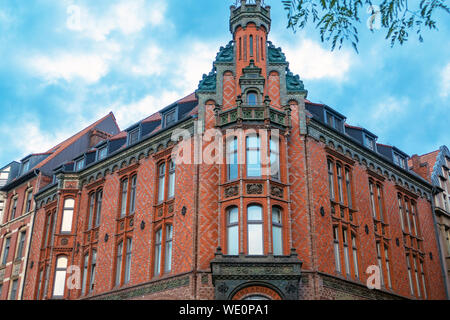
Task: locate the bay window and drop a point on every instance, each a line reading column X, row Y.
column 255, row 230
column 253, row 156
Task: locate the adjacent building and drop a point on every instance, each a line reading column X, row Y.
column 242, row 190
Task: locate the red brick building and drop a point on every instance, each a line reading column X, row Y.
column 241, row 190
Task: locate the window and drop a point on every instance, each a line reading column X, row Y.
column 60, row 277
column 91, row 209
column 133, row 136
column 128, row 260
column 372, row 200
column 355, row 255
column 25, row 167
column 232, row 158
column 14, row 208
column 400, row 206
column 369, row 142
column 98, row 215
column 408, row 263
column 233, row 231
column 119, row 263
column 448, row 240
column 380, row 263
column 333, row 121
column 339, row 177
column 252, row 98
column 102, row 153
column 388, row 266
column 66, row 224
column 275, row 157
column 416, row 276
column 133, row 194
column 123, row 211
column 93, row 268
column 251, row 46
column 170, row 118
column 79, row 164
column 348, row 187
column 6, row 251
column 168, row 252
column 158, row 241
column 162, row 182
column 255, row 230
column 380, row 202
column 171, row 179
column 331, row 179
column 85, row 274
column 253, row 156
column 28, row 201
column 22, row 237
column 13, row 295
column 337, row 258
column 399, row 160
column 277, row 232
column 422, row 272
column 346, row 251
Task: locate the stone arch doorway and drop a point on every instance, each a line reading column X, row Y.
column 256, row 292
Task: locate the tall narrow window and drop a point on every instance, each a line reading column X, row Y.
column 388, row 266
column 119, row 263
column 408, row 263
column 162, row 182
column 133, row 194
column 407, row 215
column 413, row 213
column 422, row 272
column 158, row 240
column 28, row 201
column 66, row 225
column 355, row 255
column 6, row 251
column 60, row 277
column 400, row 206
column 14, row 209
column 346, row 255
column 85, row 274
column 275, row 157
column 416, row 273
column 13, row 295
column 380, row 201
column 251, row 46
column 91, row 210
column 123, row 209
column 337, row 258
column 255, row 230
column 171, row 179
column 277, row 232
column 240, row 48
column 262, row 48
column 380, row 263
column 331, row 179
column 372, row 200
column 348, row 187
column 98, row 216
column 168, row 252
column 93, row 269
column 253, row 156
column 22, row 237
column 38, row 293
column 232, row 158
column 233, row 231
column 339, row 177
column 128, row 260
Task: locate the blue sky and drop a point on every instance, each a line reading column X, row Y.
column 133, row 57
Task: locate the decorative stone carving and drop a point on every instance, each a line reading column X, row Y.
column 255, row 188
column 232, row 191
column 276, row 191
column 64, row 241
column 275, row 54
column 226, row 54
column 208, row 83
column 171, row 209
column 293, row 82
column 160, row 212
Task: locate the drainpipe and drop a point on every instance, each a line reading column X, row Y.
column 441, row 258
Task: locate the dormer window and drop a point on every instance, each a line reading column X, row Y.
column 334, row 121
column 399, row 160
column 102, row 153
column 170, row 118
column 133, row 136
column 252, row 99
column 369, row 142
column 79, row 164
column 26, row 167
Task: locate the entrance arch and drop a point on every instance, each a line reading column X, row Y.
column 256, row 293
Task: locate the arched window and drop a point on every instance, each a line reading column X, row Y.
column 93, row 267
column 123, row 210
column 253, row 156
column 171, row 179
column 66, row 225
column 128, row 260
column 98, row 216
column 255, row 230
column 277, row 231
column 232, row 158
column 158, row 241
column 91, row 209
column 355, row 255
column 168, row 252
column 60, row 277
column 162, row 182
column 252, row 98
column 251, row 46
column 233, row 231
column 133, row 194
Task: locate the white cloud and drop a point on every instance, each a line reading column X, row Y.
column 152, row 61
column 126, row 16
column 445, row 81
column 312, row 62
column 88, row 67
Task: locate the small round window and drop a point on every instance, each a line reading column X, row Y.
column 252, row 98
